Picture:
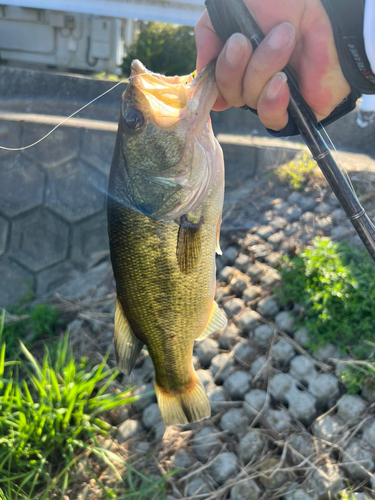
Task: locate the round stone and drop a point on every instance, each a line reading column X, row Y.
column 350, row 409
column 300, row 495
column 254, row 401
column 128, row 429
column 226, row 273
column 302, row 406
column 302, row 443
column 229, row 255
column 302, row 337
column 245, row 490
column 264, row 232
column 307, row 218
column 224, row 467
column 196, row 486
column 233, row 307
column 325, row 387
column 248, row 321
column 233, row 422
column 221, row 366
column 229, row 337
column 307, row 203
column 205, row 376
column 143, row 401
column 243, row 352
column 324, row 224
column 293, row 214
column 323, row 208
column 251, row 446
column 328, row 484
column 284, row 321
column 182, row 460
column 251, row 293
column 238, row 286
column 283, row 352
column 324, row 353
column 295, row 198
column 257, row 365
column 217, row 396
column 271, row 479
column 280, row 386
column 328, row 427
column 151, row 417
column 238, row 384
column 255, row 271
column 302, row 369
column 262, row 335
column 206, row 443
column 242, row 262
column 357, row 461
column 268, row 307
column 369, row 434
column 279, row 420
column 206, row 350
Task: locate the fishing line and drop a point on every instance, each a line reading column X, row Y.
column 63, row 121
column 339, row 162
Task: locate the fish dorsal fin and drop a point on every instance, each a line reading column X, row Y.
column 216, row 322
column 127, row 346
column 188, row 247
column 217, row 243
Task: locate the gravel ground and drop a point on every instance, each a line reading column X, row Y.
column 281, row 425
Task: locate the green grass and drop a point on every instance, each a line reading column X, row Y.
column 297, row 173
column 335, row 284
column 50, row 412
column 39, row 323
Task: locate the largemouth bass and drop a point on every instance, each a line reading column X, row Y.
column 165, row 201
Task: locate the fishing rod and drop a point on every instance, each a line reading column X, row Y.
column 232, row 16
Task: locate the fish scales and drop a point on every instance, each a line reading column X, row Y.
column 164, row 263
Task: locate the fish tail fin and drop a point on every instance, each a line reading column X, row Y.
column 188, row 405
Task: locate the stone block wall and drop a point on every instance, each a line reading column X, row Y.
column 52, row 204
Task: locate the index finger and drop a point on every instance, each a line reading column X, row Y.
column 208, row 43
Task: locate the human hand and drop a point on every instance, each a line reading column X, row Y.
column 298, row 32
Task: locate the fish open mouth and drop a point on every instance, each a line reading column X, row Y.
column 172, row 98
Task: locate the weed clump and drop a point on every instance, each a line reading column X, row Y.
column 335, row 285
column 298, row 173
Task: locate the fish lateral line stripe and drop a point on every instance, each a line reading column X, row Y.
column 63, row 121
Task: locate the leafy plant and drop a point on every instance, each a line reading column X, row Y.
column 335, row 284
column 297, row 173
column 163, row 48
column 48, row 412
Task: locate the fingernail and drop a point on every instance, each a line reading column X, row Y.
column 282, row 36
column 276, row 85
column 236, row 48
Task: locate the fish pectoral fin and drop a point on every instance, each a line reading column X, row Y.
column 127, row 346
column 216, row 322
column 188, row 247
column 187, row 405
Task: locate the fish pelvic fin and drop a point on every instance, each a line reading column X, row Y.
column 216, row 321
column 127, row 346
column 189, row 405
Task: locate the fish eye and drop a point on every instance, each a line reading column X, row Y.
column 134, row 119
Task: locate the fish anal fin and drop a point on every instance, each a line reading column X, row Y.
column 127, row 346
column 217, row 242
column 188, row 405
column 217, row 321
column 188, row 248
